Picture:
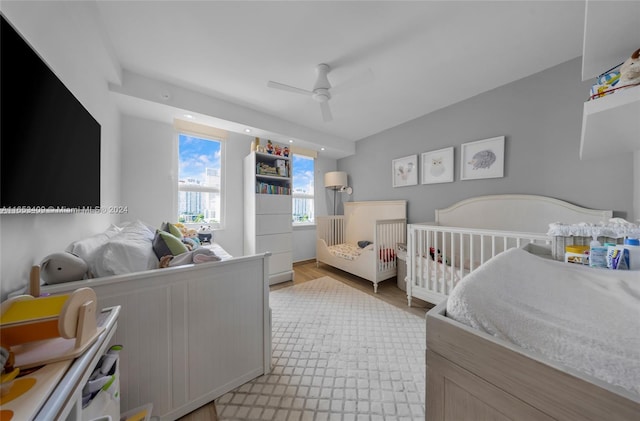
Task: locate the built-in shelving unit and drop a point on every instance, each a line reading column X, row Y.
column 267, row 209
column 610, row 125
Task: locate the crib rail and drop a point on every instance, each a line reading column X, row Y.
column 331, row 229
column 388, row 233
column 438, row 257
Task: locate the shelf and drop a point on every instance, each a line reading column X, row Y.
column 610, row 125
column 273, row 177
column 263, row 155
column 611, row 35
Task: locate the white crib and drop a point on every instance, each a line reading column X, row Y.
column 383, row 223
column 467, row 234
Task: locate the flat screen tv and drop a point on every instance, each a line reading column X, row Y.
column 49, row 142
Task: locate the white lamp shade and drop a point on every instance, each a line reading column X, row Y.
column 335, row 179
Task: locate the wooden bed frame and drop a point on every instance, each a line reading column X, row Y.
column 189, row 333
column 381, row 222
column 472, row 375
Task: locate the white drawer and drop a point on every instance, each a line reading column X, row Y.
column 273, row 224
column 274, row 243
column 280, row 262
column 273, row 203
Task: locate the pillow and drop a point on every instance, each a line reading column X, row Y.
column 364, row 243
column 165, row 244
column 86, row 248
column 129, row 251
column 172, row 229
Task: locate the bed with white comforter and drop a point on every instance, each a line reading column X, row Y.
column 583, row 318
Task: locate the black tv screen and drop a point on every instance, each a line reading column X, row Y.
column 49, row 143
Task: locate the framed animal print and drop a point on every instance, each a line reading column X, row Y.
column 405, row 171
column 437, row 166
column 482, row 159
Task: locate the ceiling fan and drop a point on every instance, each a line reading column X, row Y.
column 320, row 92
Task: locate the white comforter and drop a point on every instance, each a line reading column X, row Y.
column 584, row 318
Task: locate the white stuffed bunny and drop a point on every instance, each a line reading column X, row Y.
column 630, row 70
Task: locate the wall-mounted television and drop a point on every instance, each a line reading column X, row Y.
column 49, row 142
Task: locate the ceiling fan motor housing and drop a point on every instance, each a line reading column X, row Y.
column 321, row 94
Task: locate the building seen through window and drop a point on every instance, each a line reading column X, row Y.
column 303, row 189
column 199, row 180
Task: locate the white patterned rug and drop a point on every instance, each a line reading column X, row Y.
column 338, row 354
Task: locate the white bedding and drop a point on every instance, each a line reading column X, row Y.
column 584, row 318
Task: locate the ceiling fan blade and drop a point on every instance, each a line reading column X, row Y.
column 326, row 111
column 276, row 85
column 354, row 82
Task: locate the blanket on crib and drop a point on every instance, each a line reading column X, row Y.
column 583, row 318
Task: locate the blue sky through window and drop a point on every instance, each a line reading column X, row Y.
column 196, row 155
column 303, row 174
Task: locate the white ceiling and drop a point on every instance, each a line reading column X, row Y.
column 424, row 55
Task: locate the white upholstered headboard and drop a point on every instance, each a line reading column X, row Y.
column 516, row 212
column 360, row 217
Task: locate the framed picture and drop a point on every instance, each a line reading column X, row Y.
column 405, row 171
column 482, row 159
column 437, row 166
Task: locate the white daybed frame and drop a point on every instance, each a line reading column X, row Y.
column 472, row 375
column 381, row 222
column 190, row 333
column 474, row 230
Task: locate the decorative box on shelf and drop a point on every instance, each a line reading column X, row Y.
column 614, row 231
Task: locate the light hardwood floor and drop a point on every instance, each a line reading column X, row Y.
column 388, row 291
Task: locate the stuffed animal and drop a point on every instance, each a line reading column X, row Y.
column 191, row 239
column 630, row 71
column 63, row 267
column 205, row 234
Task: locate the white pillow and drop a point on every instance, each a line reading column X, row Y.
column 87, row 247
column 129, row 251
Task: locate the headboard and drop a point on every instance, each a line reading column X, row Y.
column 360, row 217
column 516, row 212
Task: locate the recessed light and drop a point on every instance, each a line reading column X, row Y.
column 290, row 140
column 189, row 116
column 322, row 149
column 247, row 130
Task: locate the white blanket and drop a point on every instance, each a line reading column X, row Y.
column 584, row 318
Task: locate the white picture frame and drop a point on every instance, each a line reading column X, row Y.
column 482, row 159
column 437, row 166
column 404, row 171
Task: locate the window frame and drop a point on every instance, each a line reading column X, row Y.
column 221, row 191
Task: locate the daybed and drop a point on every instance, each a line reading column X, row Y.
column 527, row 338
column 190, row 333
column 363, row 240
column 467, row 234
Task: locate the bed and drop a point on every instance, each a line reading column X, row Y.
column 467, row 234
column 363, row 241
column 190, row 333
column 528, row 338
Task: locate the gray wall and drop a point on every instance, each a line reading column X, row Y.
column 541, row 118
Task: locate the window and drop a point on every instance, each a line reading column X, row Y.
column 302, row 195
column 199, row 180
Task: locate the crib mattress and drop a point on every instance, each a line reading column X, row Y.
column 583, row 318
column 346, row 251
